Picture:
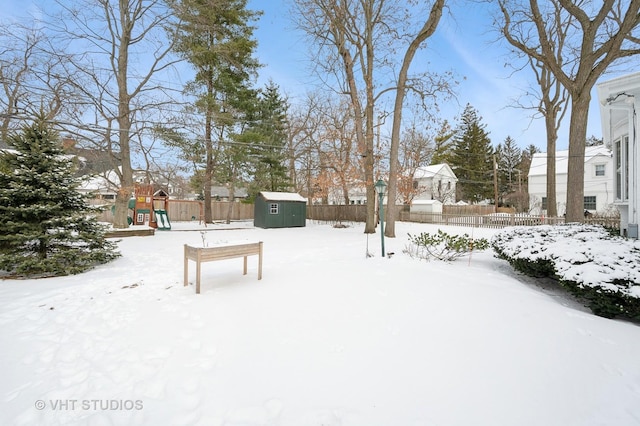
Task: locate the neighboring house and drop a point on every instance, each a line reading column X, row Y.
column 104, row 186
column 619, row 100
column 221, row 193
column 357, row 194
column 598, row 181
column 101, row 187
column 436, row 182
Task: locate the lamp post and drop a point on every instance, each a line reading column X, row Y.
column 380, row 189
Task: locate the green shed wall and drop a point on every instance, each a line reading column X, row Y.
column 290, row 214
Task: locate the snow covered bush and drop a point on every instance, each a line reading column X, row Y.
column 47, row 227
column 443, row 246
column 601, row 269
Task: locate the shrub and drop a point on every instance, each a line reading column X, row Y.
column 600, row 269
column 443, row 246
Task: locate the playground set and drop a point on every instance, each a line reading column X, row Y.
column 150, row 208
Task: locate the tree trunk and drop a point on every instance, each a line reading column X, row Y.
column 208, row 169
column 427, row 30
column 124, row 125
column 552, row 136
column 232, row 198
column 369, row 164
column 369, row 161
column 575, row 172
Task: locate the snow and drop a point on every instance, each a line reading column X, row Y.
column 282, row 196
column 585, row 254
column 327, row 337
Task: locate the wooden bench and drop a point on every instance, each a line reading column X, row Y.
column 209, row 254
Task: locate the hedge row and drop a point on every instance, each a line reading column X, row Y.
column 602, row 270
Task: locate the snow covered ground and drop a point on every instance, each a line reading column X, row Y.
column 327, row 337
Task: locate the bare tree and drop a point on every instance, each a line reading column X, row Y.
column 33, row 80
column 404, row 84
column 416, row 150
column 125, row 51
column 598, row 36
column 551, row 98
column 324, row 146
column 357, row 42
column 303, row 128
column 346, row 36
column 337, row 153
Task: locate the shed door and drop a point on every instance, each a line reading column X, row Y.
column 295, row 214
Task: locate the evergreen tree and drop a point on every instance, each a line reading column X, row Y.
column 593, row 141
column 525, row 163
column 269, row 133
column 472, row 159
column 509, row 157
column 443, row 149
column 216, row 38
column 46, row 226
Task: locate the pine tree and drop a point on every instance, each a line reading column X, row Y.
column 443, row 149
column 270, row 135
column 46, row 226
column 216, row 38
column 509, row 157
column 472, row 159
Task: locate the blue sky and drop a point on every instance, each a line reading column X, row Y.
column 462, row 43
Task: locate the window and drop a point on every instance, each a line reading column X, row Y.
column 544, row 203
column 590, row 202
column 415, row 184
column 621, row 160
column 600, row 169
column 273, row 208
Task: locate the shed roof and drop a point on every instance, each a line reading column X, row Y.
column 282, row 196
column 425, row 202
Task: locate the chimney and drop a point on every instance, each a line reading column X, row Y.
column 68, row 143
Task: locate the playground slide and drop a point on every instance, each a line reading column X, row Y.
column 162, row 219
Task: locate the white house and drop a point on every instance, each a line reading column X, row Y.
column 357, row 193
column 598, row 180
column 101, row 187
column 436, row 182
column 619, row 100
column 221, row 193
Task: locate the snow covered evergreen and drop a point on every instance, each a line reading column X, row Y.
column 47, row 228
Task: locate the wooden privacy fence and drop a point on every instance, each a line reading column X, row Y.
column 188, row 210
column 185, row 210
column 335, row 213
column 469, row 216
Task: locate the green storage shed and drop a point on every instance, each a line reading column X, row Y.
column 280, row 210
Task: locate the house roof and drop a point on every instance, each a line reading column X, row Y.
column 98, row 183
column 433, row 170
column 618, row 98
column 282, row 196
column 539, row 160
